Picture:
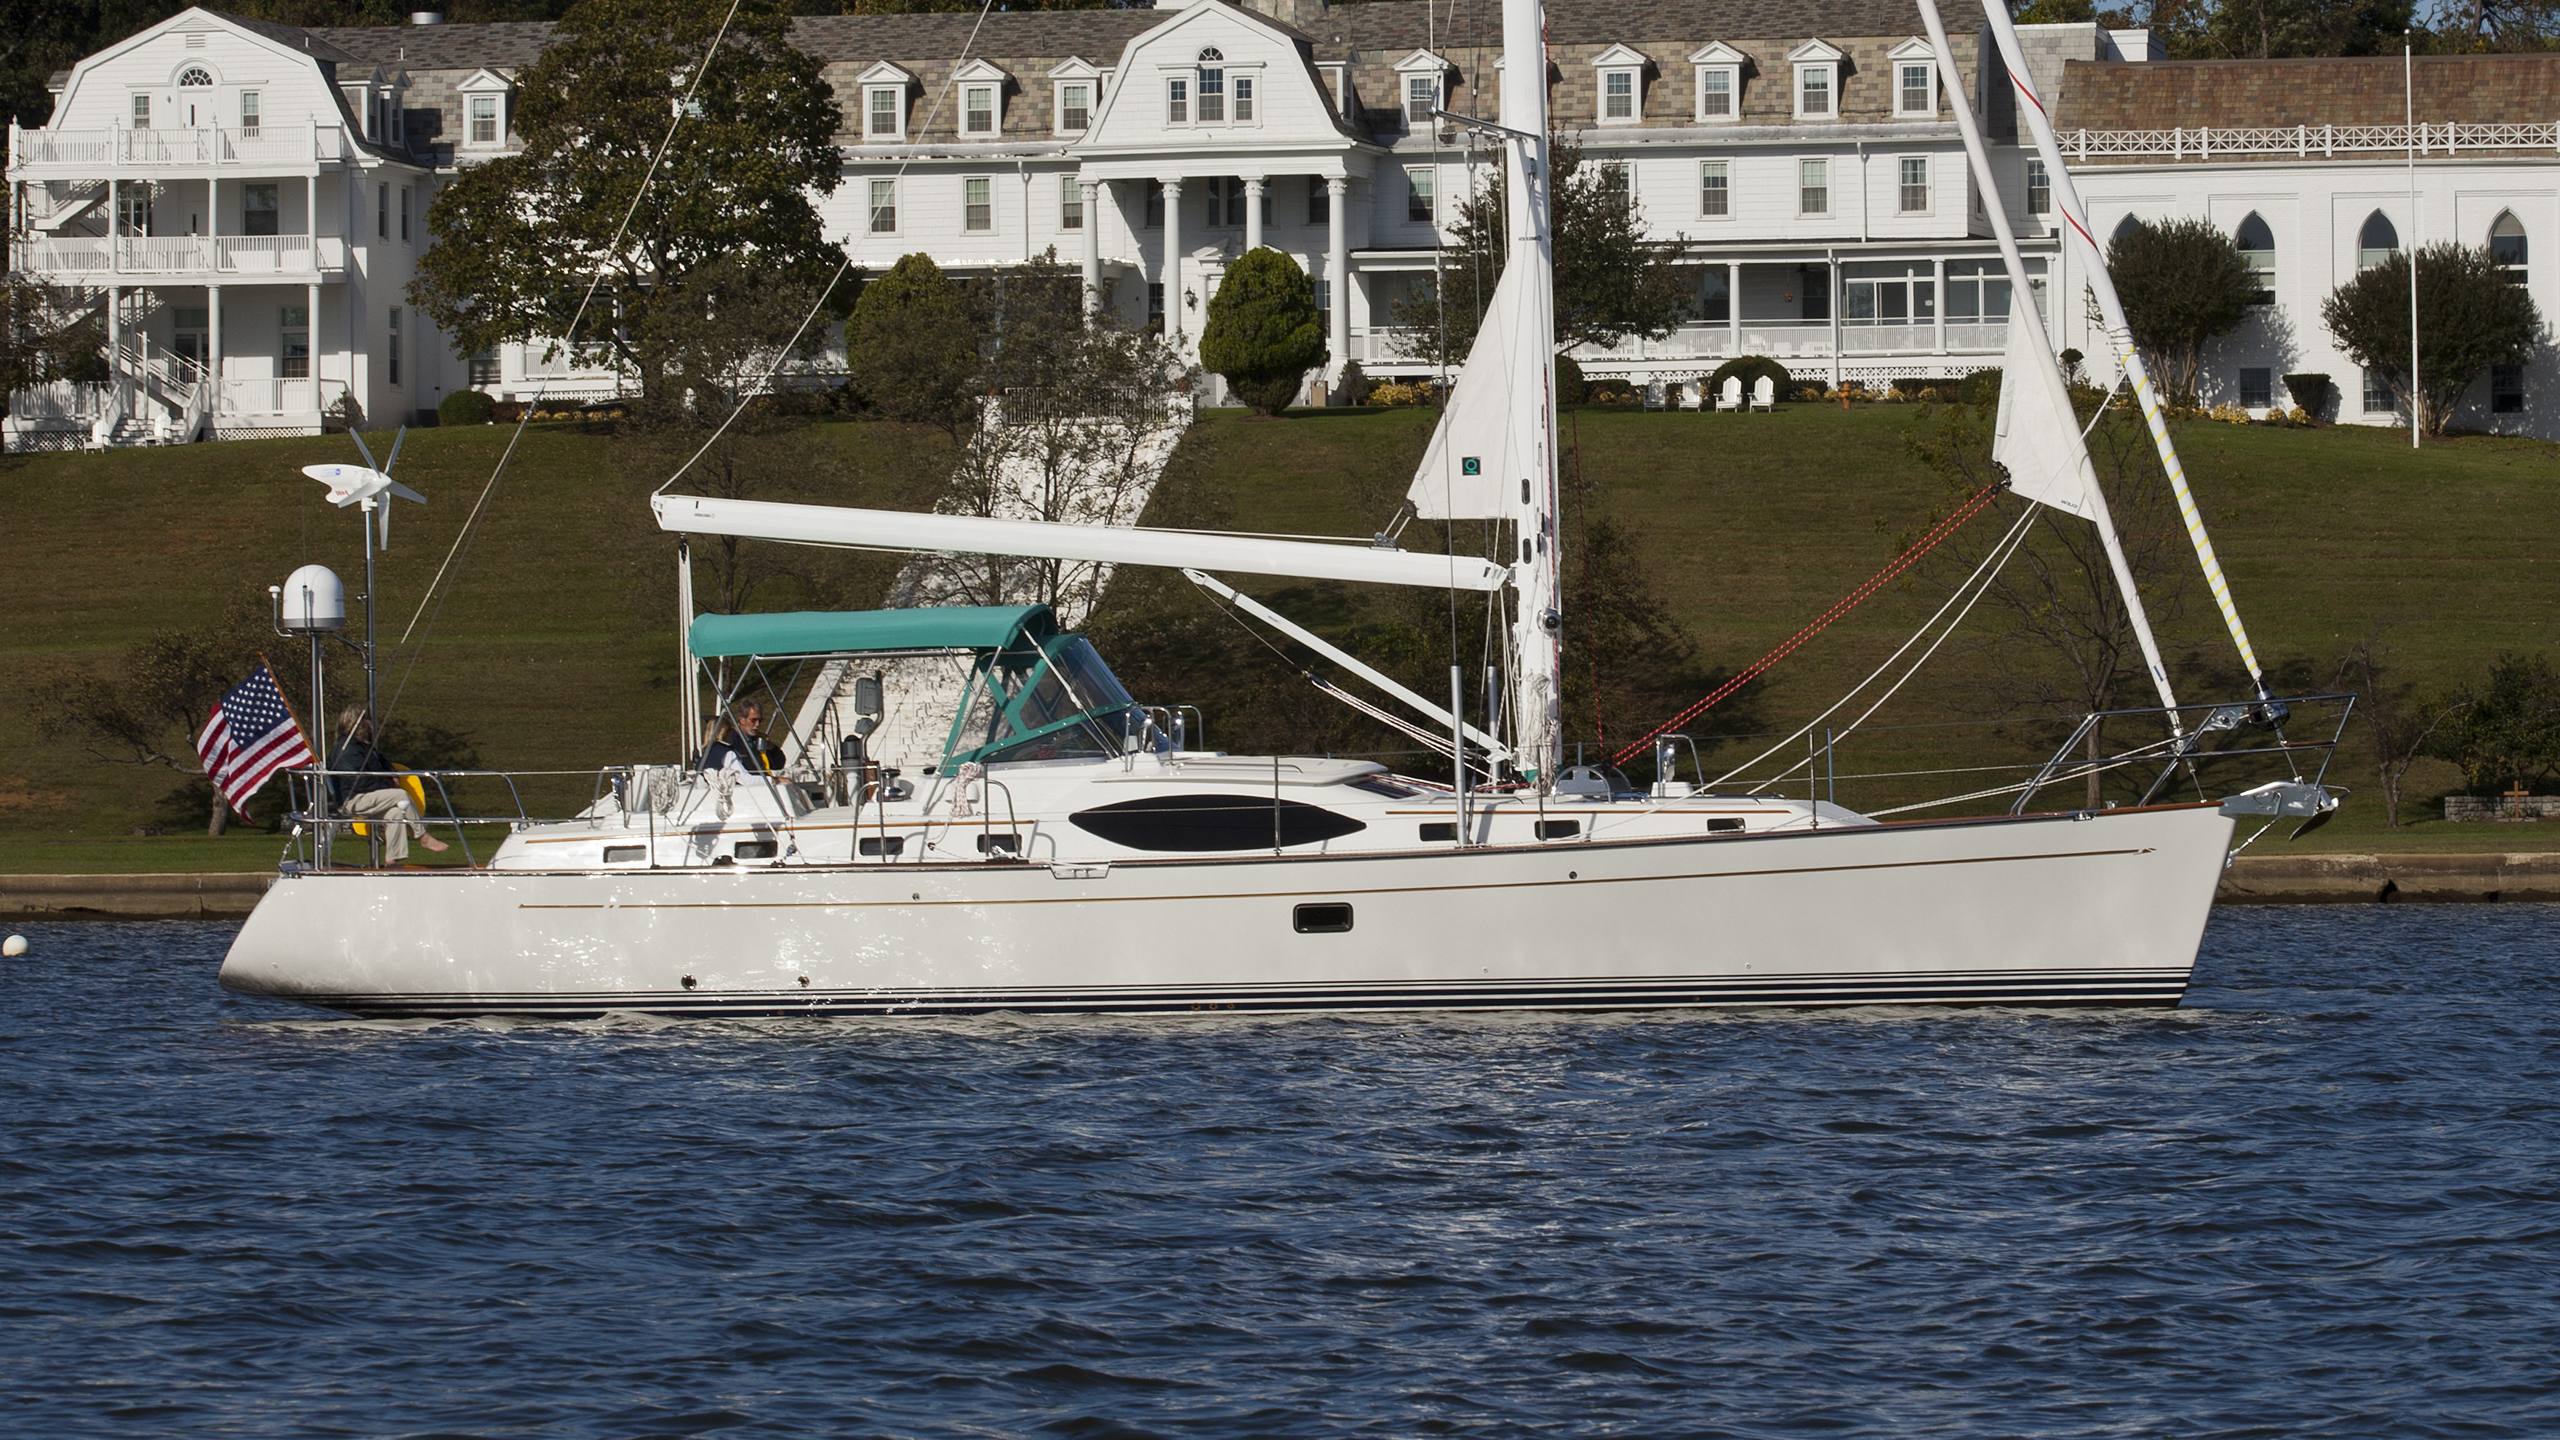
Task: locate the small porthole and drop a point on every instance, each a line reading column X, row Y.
column 1000, row 844
column 884, row 845
column 1439, row 832
column 625, row 854
column 1329, row 919
column 1559, row 829
column 753, row 849
column 1720, row 826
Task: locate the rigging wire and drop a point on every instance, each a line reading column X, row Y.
column 463, row 536
column 1937, row 534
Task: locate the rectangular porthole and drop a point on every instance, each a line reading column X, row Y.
column 1559, row 829
column 1000, row 844
column 1723, row 825
column 884, row 845
column 1327, row 919
column 1439, row 832
column 625, row 854
column 754, row 850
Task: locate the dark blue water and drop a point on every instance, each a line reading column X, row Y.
column 2321, row 1200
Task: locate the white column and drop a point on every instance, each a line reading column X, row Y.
column 1171, row 268
column 213, row 341
column 1091, row 194
column 1253, row 213
column 1733, row 304
column 115, row 323
column 1337, row 267
column 1938, row 311
column 311, row 342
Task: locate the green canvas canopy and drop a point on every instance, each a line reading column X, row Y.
column 834, row 632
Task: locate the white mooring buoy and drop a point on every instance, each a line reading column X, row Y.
column 14, row 946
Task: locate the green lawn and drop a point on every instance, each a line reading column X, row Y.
column 555, row 648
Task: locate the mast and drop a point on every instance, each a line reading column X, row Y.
column 2075, row 220
column 2022, row 311
column 1537, row 624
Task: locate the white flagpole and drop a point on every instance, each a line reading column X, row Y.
column 2409, row 132
column 2075, row 217
column 2022, row 311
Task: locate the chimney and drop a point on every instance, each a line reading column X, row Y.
column 426, row 17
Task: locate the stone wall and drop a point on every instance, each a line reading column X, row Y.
column 2502, row 807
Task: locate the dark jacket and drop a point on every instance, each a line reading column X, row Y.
column 357, row 755
column 757, row 755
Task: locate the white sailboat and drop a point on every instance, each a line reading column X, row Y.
column 1064, row 848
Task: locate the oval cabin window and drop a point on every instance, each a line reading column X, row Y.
column 1200, row 824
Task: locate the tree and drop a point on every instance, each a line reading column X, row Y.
column 913, row 347
column 2402, row 722
column 2183, row 282
column 1612, row 283
column 2279, row 29
column 517, row 240
column 2469, row 318
column 1080, row 417
column 2507, row 732
column 1264, row 332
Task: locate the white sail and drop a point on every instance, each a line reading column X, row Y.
column 2035, row 437
column 1462, row 472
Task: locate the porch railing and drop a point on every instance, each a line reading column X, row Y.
column 291, row 146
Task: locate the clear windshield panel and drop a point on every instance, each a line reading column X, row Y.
column 1071, row 681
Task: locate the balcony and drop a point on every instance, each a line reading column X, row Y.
column 92, row 258
column 271, row 148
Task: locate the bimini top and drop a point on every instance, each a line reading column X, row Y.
column 838, row 632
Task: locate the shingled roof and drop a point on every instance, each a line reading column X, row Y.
column 2364, row 90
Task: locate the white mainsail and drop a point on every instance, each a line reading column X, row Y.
column 2035, row 437
column 1461, row 475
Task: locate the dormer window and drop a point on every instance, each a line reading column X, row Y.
column 1719, row 68
column 484, row 120
column 1420, row 78
column 1915, row 80
column 1075, row 85
column 1621, row 85
column 484, row 111
column 1817, row 68
column 884, row 102
column 981, row 99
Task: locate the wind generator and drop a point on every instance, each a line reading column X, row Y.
column 368, row 487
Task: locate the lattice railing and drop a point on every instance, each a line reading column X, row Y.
column 2207, row 141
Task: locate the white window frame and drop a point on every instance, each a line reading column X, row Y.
column 290, row 366
column 1721, row 171
column 1904, row 185
column 1177, row 99
column 1244, row 97
column 1421, row 192
column 874, row 212
column 1431, row 86
column 404, row 214
column 1070, row 203
column 2039, row 188
column 979, row 120
column 1419, row 70
column 2262, row 263
column 1807, row 169
column 140, row 116
column 252, row 113
column 392, row 347
column 1063, row 87
column 966, row 182
column 899, row 84
column 1914, row 54
column 1619, row 65
column 1209, row 87
column 1811, row 59
column 382, row 211
column 473, row 118
column 1724, row 62
column 2366, row 256
column 2518, row 271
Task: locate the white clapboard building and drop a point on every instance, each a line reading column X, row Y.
column 244, row 202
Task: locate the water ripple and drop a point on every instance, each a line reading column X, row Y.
column 2318, row 1201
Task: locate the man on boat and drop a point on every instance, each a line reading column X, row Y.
column 742, row 746
column 364, row 785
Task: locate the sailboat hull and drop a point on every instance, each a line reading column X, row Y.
column 2103, row 909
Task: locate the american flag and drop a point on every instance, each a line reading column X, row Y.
column 250, row 736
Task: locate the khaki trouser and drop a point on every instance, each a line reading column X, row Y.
column 392, row 816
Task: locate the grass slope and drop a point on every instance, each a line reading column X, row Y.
column 554, row 649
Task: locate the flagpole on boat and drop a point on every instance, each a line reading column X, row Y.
column 2022, row 311
column 2075, row 218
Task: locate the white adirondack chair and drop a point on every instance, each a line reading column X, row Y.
column 1764, row 393
column 1653, row 397
column 1731, row 398
column 1693, row 394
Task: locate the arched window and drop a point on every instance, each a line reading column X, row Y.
column 194, row 77
column 2378, row 241
column 2258, row 247
column 1212, row 86
column 2506, row 246
column 2125, row 229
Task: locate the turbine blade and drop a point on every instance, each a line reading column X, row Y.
column 398, row 438
column 363, row 449
column 383, row 510
column 404, row 492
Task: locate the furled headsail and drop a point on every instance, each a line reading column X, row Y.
column 1476, row 425
column 2035, row 437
